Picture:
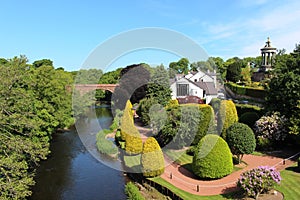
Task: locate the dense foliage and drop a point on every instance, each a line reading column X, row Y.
column 34, row 103
column 132, row 192
column 249, row 118
column 180, row 67
column 152, row 159
column 212, row 158
column 144, row 109
column 234, row 70
column 271, row 127
column 159, row 86
column 283, row 90
column 259, row 180
column 186, row 124
column 104, row 145
column 240, row 139
column 227, row 116
column 129, row 133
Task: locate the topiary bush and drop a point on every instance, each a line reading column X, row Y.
column 215, row 103
column 152, row 159
column 144, row 108
column 129, row 133
column 259, row 180
column 240, row 139
column 212, row 158
column 132, row 192
column 116, row 124
column 227, row 116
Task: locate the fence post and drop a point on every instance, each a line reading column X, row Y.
column 171, row 175
column 198, row 189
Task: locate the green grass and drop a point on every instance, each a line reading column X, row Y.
column 180, row 157
column 186, row 195
column 289, row 185
column 132, row 161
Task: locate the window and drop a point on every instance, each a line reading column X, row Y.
column 182, row 90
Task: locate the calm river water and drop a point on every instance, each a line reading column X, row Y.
column 71, row 172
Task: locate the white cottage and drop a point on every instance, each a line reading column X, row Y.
column 199, row 84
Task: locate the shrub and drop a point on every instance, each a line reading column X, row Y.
column 227, row 116
column 132, row 192
column 152, row 158
column 173, row 103
column 117, row 120
column 259, row 180
column 215, row 103
column 212, row 158
column 240, row 139
column 186, row 125
column 126, row 120
column 104, row 145
column 144, row 108
column 245, row 108
column 249, row 118
column 129, row 133
column 271, row 127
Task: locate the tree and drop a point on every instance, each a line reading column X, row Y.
column 159, row 86
column 152, row 158
column 181, row 67
column 246, row 75
column 220, row 66
column 212, row 158
column 240, row 139
column 227, row 116
column 234, row 70
column 34, row 103
column 43, row 62
column 283, row 90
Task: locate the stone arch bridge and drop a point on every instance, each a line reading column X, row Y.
column 85, row 88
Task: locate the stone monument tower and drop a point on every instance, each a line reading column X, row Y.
column 268, row 54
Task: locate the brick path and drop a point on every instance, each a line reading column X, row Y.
column 186, row 181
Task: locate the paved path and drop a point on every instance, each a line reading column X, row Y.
column 186, row 181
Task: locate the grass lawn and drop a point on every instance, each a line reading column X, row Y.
column 290, row 184
column 186, row 195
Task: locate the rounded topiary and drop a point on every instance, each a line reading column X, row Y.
column 240, row 139
column 249, row 118
column 152, row 159
column 212, row 158
column 227, row 116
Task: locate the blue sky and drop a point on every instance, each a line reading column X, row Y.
column 68, row 31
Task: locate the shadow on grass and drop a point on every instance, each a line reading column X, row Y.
column 293, row 169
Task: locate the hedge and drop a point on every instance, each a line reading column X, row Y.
column 132, row 192
column 152, row 158
column 248, row 91
column 104, row 145
column 245, row 108
column 129, row 133
column 212, row 158
column 227, row 116
column 249, row 118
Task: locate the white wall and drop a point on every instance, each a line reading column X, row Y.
column 201, row 76
column 193, row 89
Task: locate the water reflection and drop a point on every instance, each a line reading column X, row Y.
column 71, row 172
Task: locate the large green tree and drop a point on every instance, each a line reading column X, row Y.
column 181, row 67
column 159, row 86
column 234, row 70
column 34, row 103
column 283, row 91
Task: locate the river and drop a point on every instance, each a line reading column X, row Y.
column 71, row 172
